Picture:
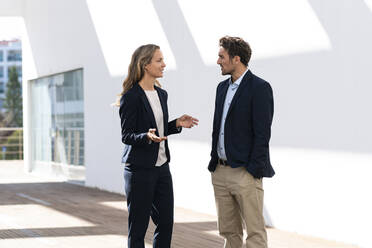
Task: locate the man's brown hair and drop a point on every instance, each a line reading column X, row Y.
column 236, row 46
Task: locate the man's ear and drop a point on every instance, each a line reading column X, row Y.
column 236, row 59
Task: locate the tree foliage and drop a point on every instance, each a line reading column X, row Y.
column 13, row 100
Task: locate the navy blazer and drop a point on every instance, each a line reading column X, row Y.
column 247, row 126
column 137, row 118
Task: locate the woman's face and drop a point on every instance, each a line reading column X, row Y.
column 157, row 65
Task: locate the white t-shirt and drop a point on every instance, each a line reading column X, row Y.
column 152, row 96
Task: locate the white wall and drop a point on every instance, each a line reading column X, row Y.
column 62, row 37
column 315, row 54
column 11, row 7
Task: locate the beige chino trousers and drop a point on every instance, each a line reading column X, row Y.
column 239, row 201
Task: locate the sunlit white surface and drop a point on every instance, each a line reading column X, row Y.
column 121, row 205
column 20, row 216
column 192, row 181
column 69, row 241
column 11, row 27
column 326, row 193
column 28, row 59
column 122, row 27
column 369, row 4
column 312, row 192
column 273, row 28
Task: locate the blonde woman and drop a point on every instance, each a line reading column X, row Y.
column 144, row 129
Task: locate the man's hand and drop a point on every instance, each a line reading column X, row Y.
column 152, row 136
column 187, row 121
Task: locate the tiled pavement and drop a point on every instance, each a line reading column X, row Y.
column 40, row 212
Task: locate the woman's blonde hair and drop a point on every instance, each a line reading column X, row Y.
column 141, row 57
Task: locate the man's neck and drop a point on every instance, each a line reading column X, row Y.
column 238, row 73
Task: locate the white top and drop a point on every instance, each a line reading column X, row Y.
column 152, row 96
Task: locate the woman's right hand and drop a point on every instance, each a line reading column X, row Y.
column 153, row 137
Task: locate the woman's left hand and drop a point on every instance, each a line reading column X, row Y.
column 186, row 121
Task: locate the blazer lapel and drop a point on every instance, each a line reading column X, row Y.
column 245, row 81
column 147, row 105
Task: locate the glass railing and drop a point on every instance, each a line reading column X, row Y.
column 11, row 143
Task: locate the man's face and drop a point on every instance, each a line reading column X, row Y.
column 224, row 61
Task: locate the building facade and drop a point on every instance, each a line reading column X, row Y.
column 10, row 56
column 315, row 54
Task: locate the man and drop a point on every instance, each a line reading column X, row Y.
column 240, row 146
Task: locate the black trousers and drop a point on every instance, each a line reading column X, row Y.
column 149, row 193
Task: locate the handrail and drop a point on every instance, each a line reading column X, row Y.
column 11, row 143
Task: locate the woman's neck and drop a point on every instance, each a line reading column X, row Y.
column 147, row 83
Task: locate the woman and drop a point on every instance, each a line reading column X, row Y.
column 144, row 128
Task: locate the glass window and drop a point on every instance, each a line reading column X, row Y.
column 57, row 120
column 14, row 55
column 1, row 71
column 1, row 87
column 1, row 55
column 69, row 87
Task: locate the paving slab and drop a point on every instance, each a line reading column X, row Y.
column 43, row 212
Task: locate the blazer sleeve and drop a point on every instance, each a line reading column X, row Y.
column 262, row 115
column 172, row 128
column 128, row 116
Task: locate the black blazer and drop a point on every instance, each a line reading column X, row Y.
column 247, row 126
column 136, row 119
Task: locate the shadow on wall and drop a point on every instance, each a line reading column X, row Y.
column 322, row 98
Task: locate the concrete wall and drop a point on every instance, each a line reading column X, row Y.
column 315, row 54
column 11, row 7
